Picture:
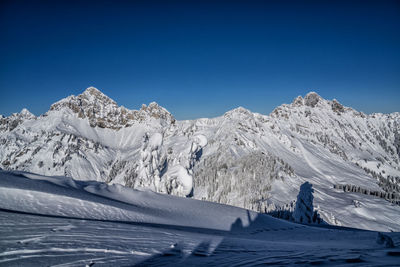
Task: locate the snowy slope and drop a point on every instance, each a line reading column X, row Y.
column 64, row 222
column 242, row 158
column 62, row 196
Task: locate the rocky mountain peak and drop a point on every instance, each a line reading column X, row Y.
column 25, row 113
column 312, row 103
column 11, row 122
column 103, row 112
column 156, row 111
column 239, row 111
column 92, row 94
column 151, row 106
column 92, row 91
column 312, row 99
column 298, row 101
column 91, row 98
column 336, row 106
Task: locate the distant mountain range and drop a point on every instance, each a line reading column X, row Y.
column 241, row 158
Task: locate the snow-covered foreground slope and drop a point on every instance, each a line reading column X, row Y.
column 241, row 158
column 62, row 222
column 61, row 196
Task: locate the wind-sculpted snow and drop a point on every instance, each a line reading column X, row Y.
column 65, row 222
column 240, row 158
column 65, row 197
column 150, row 166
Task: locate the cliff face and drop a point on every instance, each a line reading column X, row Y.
column 103, row 112
column 8, row 124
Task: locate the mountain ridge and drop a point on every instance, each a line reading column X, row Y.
column 297, row 101
column 240, row 158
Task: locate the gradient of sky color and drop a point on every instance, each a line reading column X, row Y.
column 200, row 58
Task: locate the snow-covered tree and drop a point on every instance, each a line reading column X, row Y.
column 304, row 210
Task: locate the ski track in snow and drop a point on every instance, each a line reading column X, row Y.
column 105, row 244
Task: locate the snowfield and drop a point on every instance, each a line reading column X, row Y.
column 244, row 159
column 59, row 221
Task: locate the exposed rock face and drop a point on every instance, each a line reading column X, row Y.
column 311, row 99
column 11, row 122
column 103, row 112
column 299, row 101
column 337, row 107
column 240, row 158
column 156, row 111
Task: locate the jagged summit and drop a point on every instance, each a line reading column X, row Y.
column 103, row 112
column 312, row 99
column 312, row 104
column 11, row 122
column 89, row 98
column 298, row 101
column 26, row 113
column 93, row 94
column 92, row 91
column 152, row 106
column 154, row 110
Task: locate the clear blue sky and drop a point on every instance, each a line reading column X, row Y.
column 200, row 58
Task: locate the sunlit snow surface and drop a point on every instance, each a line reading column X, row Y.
column 59, row 221
column 241, row 158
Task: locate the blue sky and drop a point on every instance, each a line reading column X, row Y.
column 200, row 58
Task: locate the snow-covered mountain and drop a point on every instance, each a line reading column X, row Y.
column 241, row 158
